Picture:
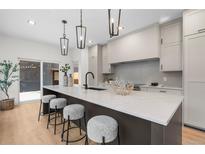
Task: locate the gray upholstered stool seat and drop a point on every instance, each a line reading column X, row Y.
column 47, row 98
column 58, row 103
column 74, row 111
column 102, row 128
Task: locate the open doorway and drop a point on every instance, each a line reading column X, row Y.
column 75, row 73
column 50, row 74
column 30, row 80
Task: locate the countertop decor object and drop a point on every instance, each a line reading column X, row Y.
column 121, row 87
column 70, row 80
column 65, row 69
column 8, row 77
column 154, row 84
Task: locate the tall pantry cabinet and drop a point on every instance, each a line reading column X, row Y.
column 194, row 68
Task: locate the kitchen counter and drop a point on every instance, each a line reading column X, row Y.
column 140, row 104
column 143, row 117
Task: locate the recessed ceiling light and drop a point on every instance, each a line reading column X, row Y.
column 31, row 22
column 164, row 19
column 121, row 28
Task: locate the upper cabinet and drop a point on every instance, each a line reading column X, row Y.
column 194, row 22
column 171, row 46
column 106, row 66
column 144, row 44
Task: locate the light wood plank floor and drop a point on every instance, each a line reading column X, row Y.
column 20, row 126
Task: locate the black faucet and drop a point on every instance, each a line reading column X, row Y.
column 86, row 79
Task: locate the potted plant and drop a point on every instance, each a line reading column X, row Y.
column 65, row 69
column 7, row 78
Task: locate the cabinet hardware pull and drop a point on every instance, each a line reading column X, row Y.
column 162, row 91
column 161, row 40
column 201, row 30
column 161, row 67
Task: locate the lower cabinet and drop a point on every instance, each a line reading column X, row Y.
column 162, row 90
column 194, row 104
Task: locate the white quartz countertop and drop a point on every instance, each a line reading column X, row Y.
column 155, row 107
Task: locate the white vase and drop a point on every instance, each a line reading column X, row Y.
column 70, row 81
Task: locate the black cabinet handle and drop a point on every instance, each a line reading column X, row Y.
column 161, row 67
column 162, row 91
column 201, row 30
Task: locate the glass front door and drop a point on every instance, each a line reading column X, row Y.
column 29, row 80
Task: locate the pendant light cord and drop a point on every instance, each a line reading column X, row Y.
column 64, row 35
column 81, row 20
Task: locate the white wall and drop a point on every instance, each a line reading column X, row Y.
column 15, row 48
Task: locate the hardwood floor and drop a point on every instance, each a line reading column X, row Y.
column 193, row 136
column 20, row 126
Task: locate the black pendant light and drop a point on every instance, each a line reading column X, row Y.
column 64, row 41
column 81, row 34
column 114, row 22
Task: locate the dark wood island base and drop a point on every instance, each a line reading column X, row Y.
column 133, row 130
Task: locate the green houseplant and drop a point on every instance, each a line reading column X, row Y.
column 7, row 78
column 65, row 69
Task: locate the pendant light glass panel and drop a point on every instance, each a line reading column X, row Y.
column 64, row 44
column 81, row 34
column 64, row 41
column 114, row 21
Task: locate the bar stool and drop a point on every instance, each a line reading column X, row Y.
column 102, row 129
column 73, row 112
column 45, row 99
column 56, row 104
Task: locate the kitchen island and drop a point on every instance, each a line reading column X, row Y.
column 143, row 117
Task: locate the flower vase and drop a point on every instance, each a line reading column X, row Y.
column 65, row 80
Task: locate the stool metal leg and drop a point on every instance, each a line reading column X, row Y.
column 61, row 116
column 62, row 135
column 103, row 140
column 79, row 121
column 85, row 123
column 48, row 116
column 39, row 114
column 86, row 140
column 55, row 119
column 68, row 126
column 118, row 136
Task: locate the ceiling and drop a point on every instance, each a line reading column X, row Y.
column 48, row 27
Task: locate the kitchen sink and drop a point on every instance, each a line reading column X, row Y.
column 94, row 88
